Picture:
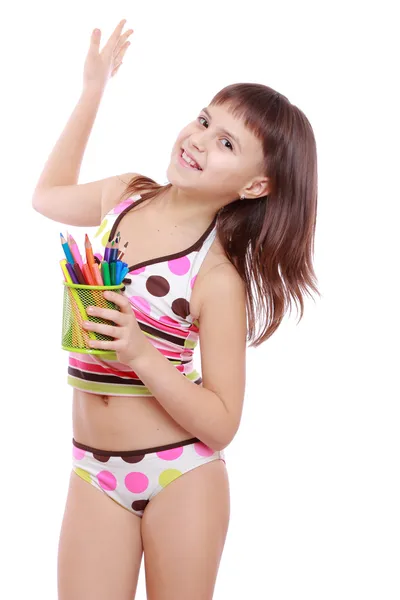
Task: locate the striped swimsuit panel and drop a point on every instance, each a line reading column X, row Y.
column 159, row 293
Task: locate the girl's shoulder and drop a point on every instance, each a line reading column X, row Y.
column 214, row 260
column 116, row 186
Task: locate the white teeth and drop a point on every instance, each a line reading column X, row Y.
column 187, row 159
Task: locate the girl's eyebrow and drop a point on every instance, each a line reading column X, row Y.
column 223, row 130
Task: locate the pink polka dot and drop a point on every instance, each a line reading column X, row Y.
column 78, row 453
column 179, row 266
column 202, row 449
column 136, row 482
column 192, row 281
column 107, row 481
column 168, row 321
column 141, row 303
column 122, row 205
column 171, row 454
column 137, row 271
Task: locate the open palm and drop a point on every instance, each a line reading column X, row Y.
column 101, row 66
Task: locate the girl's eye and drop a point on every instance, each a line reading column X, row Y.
column 231, row 147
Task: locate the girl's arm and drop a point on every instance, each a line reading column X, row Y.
column 211, row 412
column 57, row 195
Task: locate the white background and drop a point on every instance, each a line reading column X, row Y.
column 314, row 468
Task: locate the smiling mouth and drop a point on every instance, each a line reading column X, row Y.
column 196, row 167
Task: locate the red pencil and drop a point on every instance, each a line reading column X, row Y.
column 79, row 274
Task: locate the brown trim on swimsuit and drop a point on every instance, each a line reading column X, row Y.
column 195, row 246
column 134, row 452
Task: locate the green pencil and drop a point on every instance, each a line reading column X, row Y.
column 105, row 271
column 113, row 277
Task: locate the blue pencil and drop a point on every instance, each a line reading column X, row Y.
column 118, row 269
column 67, row 251
column 124, row 272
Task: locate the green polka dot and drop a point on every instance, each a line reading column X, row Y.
column 101, row 228
column 83, row 474
column 168, row 475
column 105, row 237
column 190, row 343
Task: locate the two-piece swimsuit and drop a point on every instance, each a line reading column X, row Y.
column 159, row 291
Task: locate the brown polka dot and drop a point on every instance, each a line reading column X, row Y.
column 181, row 307
column 157, row 286
column 140, row 504
column 133, row 459
column 101, row 458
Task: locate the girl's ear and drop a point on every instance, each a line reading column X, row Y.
column 258, row 188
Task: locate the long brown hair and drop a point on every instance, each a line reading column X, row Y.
column 269, row 240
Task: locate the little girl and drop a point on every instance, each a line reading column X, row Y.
column 222, row 249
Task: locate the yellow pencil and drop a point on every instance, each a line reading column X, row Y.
column 76, row 301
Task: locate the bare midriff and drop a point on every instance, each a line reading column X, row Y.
column 123, row 423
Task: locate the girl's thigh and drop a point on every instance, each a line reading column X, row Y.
column 184, row 529
column 100, row 548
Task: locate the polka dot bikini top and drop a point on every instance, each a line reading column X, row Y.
column 159, row 293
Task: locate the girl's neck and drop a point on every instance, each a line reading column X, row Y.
column 183, row 208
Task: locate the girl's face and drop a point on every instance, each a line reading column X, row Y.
column 229, row 155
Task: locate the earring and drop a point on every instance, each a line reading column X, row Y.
column 242, row 197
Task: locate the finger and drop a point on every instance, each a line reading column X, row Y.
column 123, row 38
column 96, row 38
column 120, row 300
column 121, row 53
column 114, row 37
column 115, row 70
column 110, row 330
column 108, row 314
column 104, row 345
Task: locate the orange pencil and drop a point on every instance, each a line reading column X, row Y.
column 89, row 251
column 87, row 273
column 96, row 274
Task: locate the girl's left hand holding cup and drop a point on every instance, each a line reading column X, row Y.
column 129, row 342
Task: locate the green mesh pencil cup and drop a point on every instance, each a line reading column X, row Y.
column 76, row 299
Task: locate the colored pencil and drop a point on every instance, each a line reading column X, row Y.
column 79, row 274
column 121, row 253
column 113, row 273
column 124, row 273
column 87, row 273
column 76, row 305
column 89, row 251
column 114, row 248
column 107, row 251
column 113, row 253
column 81, row 313
column 67, row 276
column 75, row 250
column 97, row 275
column 80, row 336
column 72, row 272
column 105, row 271
column 67, row 251
column 118, row 269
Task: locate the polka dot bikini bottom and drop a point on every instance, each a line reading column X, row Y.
column 133, row 478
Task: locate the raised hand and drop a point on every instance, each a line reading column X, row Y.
column 101, row 66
